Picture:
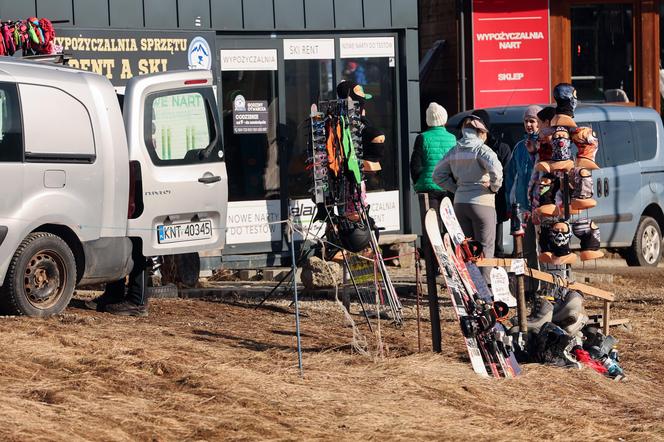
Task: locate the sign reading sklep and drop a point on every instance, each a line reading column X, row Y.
column 510, row 52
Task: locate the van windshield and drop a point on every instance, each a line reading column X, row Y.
column 180, row 128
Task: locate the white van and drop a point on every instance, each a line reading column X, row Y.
column 80, row 175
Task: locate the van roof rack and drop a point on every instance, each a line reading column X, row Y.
column 62, row 59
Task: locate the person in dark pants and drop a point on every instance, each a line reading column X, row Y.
column 471, row 171
column 130, row 299
column 503, row 152
column 430, row 147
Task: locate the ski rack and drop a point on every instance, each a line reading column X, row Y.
column 339, row 194
column 606, row 296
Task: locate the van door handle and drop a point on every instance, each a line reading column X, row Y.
column 606, row 187
column 599, row 187
column 209, row 179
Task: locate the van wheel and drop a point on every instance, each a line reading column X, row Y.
column 41, row 277
column 646, row 249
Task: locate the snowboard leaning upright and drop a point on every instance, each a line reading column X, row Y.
column 475, row 280
column 455, row 288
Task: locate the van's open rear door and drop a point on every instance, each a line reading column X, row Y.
column 174, row 137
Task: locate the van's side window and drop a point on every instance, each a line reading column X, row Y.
column 646, row 135
column 180, row 128
column 11, row 132
column 617, row 142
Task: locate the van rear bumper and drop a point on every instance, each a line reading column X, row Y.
column 3, row 233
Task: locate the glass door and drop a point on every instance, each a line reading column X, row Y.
column 249, row 105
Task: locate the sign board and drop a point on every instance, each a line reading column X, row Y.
column 366, row 47
column 302, row 213
column 120, row 55
column 248, row 59
column 500, row 287
column 249, row 116
column 510, row 52
column 385, row 209
column 253, row 222
column 309, row 49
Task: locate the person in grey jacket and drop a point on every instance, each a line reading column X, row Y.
column 472, row 172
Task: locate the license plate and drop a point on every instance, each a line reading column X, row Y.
column 184, row 232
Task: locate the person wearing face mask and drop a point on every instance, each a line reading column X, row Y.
column 472, row 171
column 520, row 165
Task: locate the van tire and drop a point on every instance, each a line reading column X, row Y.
column 41, row 277
column 646, row 249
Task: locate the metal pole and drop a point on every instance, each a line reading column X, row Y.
column 418, row 292
column 462, row 54
column 297, row 304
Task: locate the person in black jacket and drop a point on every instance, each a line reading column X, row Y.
column 503, row 152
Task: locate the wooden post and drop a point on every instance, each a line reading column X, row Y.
column 520, row 288
column 607, row 318
column 432, row 287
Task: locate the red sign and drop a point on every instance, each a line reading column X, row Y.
column 510, row 52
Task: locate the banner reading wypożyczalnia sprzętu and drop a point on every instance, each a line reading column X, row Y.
column 510, row 52
column 121, row 54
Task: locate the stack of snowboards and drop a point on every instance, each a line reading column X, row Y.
column 488, row 344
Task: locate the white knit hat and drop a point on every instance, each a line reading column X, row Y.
column 436, row 115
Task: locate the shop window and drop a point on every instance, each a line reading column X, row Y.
column 11, row 136
column 307, row 82
column 617, row 143
column 252, row 156
column 179, row 127
column 603, row 52
column 377, row 76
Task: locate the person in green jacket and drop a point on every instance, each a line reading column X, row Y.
column 430, row 147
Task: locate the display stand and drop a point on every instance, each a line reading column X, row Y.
column 606, row 296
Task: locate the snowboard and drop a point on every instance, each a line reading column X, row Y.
column 475, row 283
column 456, row 290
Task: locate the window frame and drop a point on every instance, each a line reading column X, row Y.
column 21, row 147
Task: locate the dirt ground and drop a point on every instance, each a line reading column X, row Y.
column 213, row 370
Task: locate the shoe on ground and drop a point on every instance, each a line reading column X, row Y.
column 125, row 308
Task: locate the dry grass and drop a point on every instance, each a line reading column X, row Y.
column 197, row 370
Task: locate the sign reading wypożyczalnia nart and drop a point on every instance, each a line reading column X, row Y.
column 120, row 55
column 510, row 52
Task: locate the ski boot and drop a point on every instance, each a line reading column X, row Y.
column 588, row 232
column 582, row 189
column 559, row 237
column 586, row 142
column 540, row 314
column 569, row 314
column 548, row 188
